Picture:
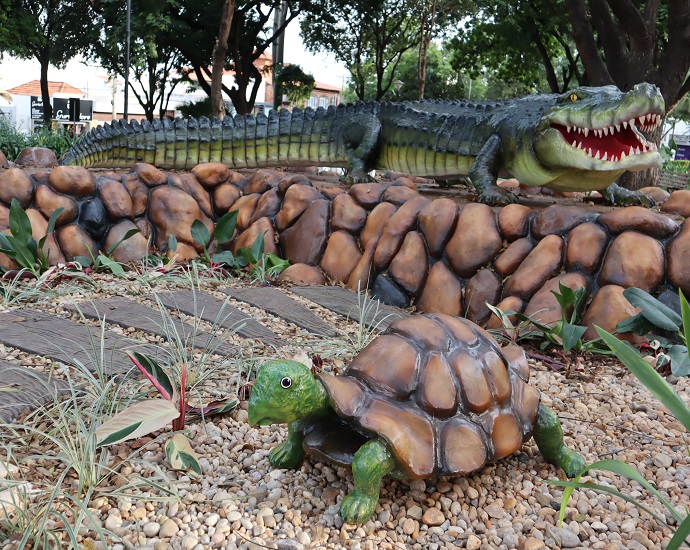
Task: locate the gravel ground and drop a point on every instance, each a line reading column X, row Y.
column 242, row 502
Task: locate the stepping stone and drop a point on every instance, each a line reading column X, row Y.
column 22, row 389
column 211, row 309
column 281, row 305
column 128, row 313
column 347, row 303
column 67, row 341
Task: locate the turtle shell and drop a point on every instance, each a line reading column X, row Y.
column 441, row 392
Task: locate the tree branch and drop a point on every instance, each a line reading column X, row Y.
column 583, row 34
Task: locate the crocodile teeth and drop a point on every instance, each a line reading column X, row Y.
column 625, row 124
column 606, row 130
column 569, row 128
column 598, row 156
column 618, row 127
column 586, row 131
column 622, row 155
column 606, row 155
column 641, row 119
column 632, row 151
column 574, row 144
column 637, row 151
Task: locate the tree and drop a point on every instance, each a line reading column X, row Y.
column 219, row 51
column 51, row 31
column 293, row 82
column 366, row 35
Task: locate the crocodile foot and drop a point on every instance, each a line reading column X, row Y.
column 620, row 196
column 497, row 196
column 351, row 179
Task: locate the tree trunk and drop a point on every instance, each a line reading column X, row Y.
column 45, row 93
column 643, row 178
column 219, row 51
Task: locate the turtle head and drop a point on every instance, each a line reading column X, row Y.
column 284, row 392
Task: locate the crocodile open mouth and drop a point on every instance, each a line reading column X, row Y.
column 612, row 143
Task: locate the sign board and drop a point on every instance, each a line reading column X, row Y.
column 681, row 139
column 36, row 108
column 84, row 110
column 61, row 109
column 683, row 152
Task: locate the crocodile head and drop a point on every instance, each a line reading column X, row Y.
column 592, row 135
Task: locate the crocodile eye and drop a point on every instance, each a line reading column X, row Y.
column 286, row 382
column 573, row 97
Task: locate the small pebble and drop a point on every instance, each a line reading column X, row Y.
column 168, row 529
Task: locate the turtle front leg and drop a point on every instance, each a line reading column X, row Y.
column 371, row 463
column 291, row 452
column 549, row 437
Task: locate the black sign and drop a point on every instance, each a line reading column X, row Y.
column 61, row 109
column 85, row 110
column 36, row 108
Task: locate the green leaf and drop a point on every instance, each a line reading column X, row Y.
column 114, row 266
column 128, row 235
column 572, row 335
column 85, row 261
column 22, row 255
column 6, row 246
column 225, row 226
column 258, row 247
column 651, row 379
column 685, row 311
column 172, row 243
column 154, row 372
column 224, row 257
column 245, row 254
column 142, row 418
column 200, row 233
column 680, row 536
column 20, row 225
column 658, row 314
column 680, row 361
column 637, row 324
column 181, row 456
column 215, row 407
column 51, row 226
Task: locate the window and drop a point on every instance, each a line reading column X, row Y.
column 323, row 101
column 313, row 100
column 335, row 99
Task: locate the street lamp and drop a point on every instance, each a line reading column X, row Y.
column 397, row 84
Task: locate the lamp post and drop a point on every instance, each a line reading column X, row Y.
column 127, row 39
column 397, row 84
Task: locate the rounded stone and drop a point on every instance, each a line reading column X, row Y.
column 341, row 256
column 39, row 228
column 586, row 246
column 331, row 192
column 608, row 308
column 16, row 184
column 442, row 292
column 376, row 220
column 678, row 203
column 633, row 259
column 245, row 207
column 224, row 196
column 72, row 180
column 262, row 180
column 640, row 219
column 172, row 212
column 347, row 214
column 543, row 307
column 168, row 529
column 297, row 199
column 388, row 292
column 513, row 221
column 541, row 264
column 433, row 516
column 559, row 219
column 305, row 241
column 475, row 242
column 287, row 182
column 3, row 160
column 302, row 274
column 36, row 156
column 211, row 174
column 368, row 195
column 659, row 195
column 93, row 217
column 130, row 250
column 483, row 288
column 267, row 206
column 410, row 265
column 74, row 242
column 190, row 184
column 513, row 256
column 678, row 259
column 399, row 194
column 117, row 200
column 47, row 201
column 249, row 236
column 4, row 216
column 511, row 303
column 395, row 229
column 149, row 175
column 437, row 222
column 139, row 193
column 364, row 271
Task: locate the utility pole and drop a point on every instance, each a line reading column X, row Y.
column 278, row 48
column 128, row 37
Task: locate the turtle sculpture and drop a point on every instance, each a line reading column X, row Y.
column 433, row 396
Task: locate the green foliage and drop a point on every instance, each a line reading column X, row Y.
column 105, row 261
column 293, row 82
column 661, row 389
column 197, row 109
column 682, row 166
column 12, row 141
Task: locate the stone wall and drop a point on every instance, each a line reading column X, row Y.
column 408, row 249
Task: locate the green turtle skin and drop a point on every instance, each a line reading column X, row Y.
column 287, row 392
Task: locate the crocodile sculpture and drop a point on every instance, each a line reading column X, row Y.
column 582, row 140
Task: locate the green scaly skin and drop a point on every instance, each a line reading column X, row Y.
column 306, row 398
column 543, row 140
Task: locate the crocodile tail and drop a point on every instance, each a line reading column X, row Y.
column 286, row 138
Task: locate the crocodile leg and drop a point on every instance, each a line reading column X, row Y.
column 484, row 172
column 618, row 195
column 361, row 139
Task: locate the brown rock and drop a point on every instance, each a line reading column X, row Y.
column 7, row 262
column 47, row 201
column 75, row 242
column 543, row 307
column 395, row 229
column 375, row 221
column 410, row 265
column 437, row 222
column 139, row 193
column 39, row 228
column 189, row 183
column 287, row 182
column 262, row 180
column 149, row 175
column 368, row 195
column 297, row 198
column 399, row 194
column 224, row 196
column 541, row 264
column 331, row 192
column 678, row 258
column 72, row 180
column 305, row 240
column 183, row 253
column 117, row 200
column 247, row 238
column 513, row 256
column 511, row 303
column 211, row 174
column 130, row 250
column 442, row 292
column 640, row 219
column 678, row 203
column 586, row 246
column 237, row 179
column 4, row 217
column 475, row 241
column 608, row 308
column 558, row 219
column 40, row 178
column 172, row 212
column 341, row 256
column 245, row 206
column 633, row 259
column 364, row 272
column 347, row 214
column 145, row 227
column 484, row 287
column 267, row 206
column 302, row 274
column 3, row 161
column 36, row 156
column 16, row 184
column 659, row 195
column 513, row 220
column 407, row 182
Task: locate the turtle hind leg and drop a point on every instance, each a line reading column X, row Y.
column 549, row 437
column 371, row 463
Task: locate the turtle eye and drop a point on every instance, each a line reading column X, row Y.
column 286, row 382
column 573, row 97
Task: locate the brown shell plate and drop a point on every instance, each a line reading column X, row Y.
column 441, row 392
